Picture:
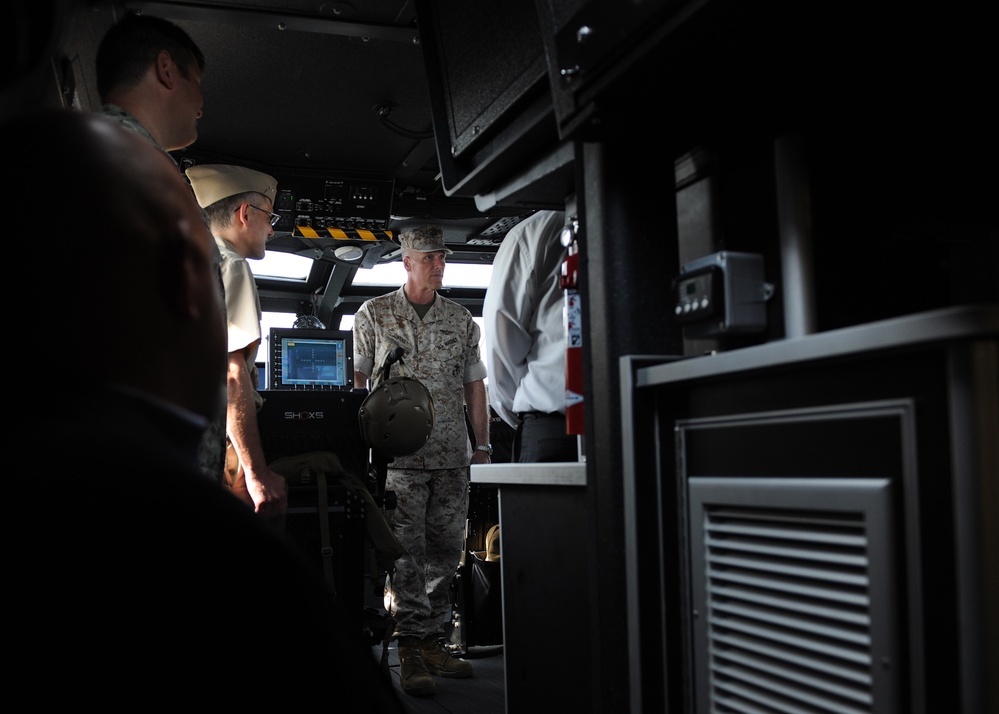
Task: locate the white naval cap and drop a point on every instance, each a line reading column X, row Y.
column 213, row 182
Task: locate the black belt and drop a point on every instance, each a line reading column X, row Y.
column 540, row 415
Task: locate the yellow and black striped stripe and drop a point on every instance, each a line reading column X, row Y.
column 341, row 234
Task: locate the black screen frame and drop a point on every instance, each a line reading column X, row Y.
column 276, row 378
column 490, row 102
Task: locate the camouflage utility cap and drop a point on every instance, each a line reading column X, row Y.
column 424, row 239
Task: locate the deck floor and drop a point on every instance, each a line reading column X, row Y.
column 483, row 693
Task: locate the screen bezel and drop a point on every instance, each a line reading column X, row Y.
column 275, row 369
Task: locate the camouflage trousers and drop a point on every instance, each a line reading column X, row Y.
column 211, row 455
column 429, row 522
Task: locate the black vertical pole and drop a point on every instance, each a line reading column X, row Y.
column 629, row 254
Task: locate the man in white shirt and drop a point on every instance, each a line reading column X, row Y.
column 525, row 331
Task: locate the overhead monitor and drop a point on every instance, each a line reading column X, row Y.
column 488, row 85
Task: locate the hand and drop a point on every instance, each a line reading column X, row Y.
column 480, row 457
column 269, row 492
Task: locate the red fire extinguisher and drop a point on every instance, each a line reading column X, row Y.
column 572, row 314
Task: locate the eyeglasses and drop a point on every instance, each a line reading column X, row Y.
column 274, row 216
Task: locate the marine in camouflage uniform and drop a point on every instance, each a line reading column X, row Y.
column 431, row 485
column 135, row 77
column 211, row 454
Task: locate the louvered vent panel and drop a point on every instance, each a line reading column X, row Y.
column 788, row 611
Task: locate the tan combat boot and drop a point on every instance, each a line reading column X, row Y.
column 440, row 662
column 416, row 680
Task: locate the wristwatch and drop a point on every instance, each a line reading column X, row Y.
column 488, row 448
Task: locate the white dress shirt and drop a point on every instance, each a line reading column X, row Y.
column 523, row 317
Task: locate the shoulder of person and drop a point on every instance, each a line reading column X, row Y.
column 227, row 252
column 452, row 307
column 375, row 304
column 389, row 299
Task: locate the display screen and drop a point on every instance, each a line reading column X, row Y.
column 311, row 359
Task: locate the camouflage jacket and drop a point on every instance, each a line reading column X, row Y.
column 442, row 352
column 128, row 120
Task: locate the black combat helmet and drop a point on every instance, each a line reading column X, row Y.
column 397, row 417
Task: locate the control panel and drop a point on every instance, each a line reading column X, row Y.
column 722, row 293
column 320, row 203
column 323, row 201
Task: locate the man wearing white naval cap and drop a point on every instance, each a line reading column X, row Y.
column 238, row 203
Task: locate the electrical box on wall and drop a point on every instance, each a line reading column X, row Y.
column 720, row 294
